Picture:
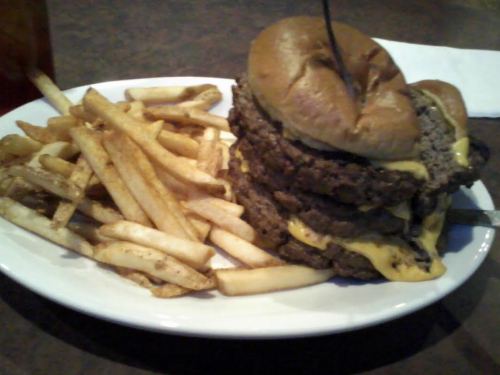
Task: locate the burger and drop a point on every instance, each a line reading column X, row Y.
column 355, row 180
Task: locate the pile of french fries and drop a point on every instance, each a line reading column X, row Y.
column 139, row 186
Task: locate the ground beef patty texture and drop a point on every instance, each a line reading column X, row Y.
column 327, row 189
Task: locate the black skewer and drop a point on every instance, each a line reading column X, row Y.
column 344, row 73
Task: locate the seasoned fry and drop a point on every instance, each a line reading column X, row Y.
column 181, row 144
column 221, row 218
column 88, row 231
column 38, row 133
column 49, row 89
column 60, row 126
column 99, row 105
column 187, row 116
column 236, row 282
column 140, row 278
column 172, row 290
column 63, row 122
column 165, row 290
column 64, row 168
column 151, row 261
column 48, row 181
column 208, row 155
column 136, row 110
column 225, row 156
column 193, row 253
column 18, row 145
column 99, row 212
column 79, row 112
column 80, row 176
column 165, row 94
column 230, row 207
column 34, row 222
column 204, row 100
column 174, row 208
column 18, row 187
column 142, row 187
column 201, row 225
column 90, row 144
column 56, row 165
column 63, row 150
column 154, row 128
column 242, row 250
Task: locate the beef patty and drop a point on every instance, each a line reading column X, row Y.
column 270, row 220
column 327, row 190
column 281, row 163
column 343, row 176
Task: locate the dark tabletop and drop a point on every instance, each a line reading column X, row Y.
column 97, row 41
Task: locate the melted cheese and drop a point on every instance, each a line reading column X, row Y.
column 412, row 166
column 390, row 256
column 305, row 234
column 461, row 151
column 243, row 163
column 401, row 210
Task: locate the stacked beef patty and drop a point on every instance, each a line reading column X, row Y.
column 338, row 193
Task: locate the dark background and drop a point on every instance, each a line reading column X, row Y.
column 95, row 41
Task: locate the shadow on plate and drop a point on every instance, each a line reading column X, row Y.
column 351, row 352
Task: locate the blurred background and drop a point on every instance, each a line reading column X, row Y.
column 100, row 40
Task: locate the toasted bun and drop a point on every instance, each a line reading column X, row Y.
column 292, row 75
column 449, row 101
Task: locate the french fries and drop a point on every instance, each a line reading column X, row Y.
column 152, row 197
column 193, row 253
column 181, row 144
column 242, row 250
column 151, row 261
column 237, row 282
column 99, row 160
column 173, row 208
column 187, row 116
column 50, row 91
column 221, row 218
column 88, row 231
column 80, row 176
column 50, row 182
column 169, row 94
column 99, row 105
column 142, row 188
column 56, row 165
column 34, row 222
column 38, row 133
column 208, row 154
column 63, row 167
column 17, row 145
column 99, row 212
column 204, row 100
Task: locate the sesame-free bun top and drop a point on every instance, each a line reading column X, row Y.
column 293, row 77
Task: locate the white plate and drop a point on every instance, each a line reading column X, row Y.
column 331, row 307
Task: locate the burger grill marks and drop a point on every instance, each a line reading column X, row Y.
column 337, row 193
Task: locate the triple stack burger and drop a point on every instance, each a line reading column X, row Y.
column 355, row 180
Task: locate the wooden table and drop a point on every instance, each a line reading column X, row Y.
column 108, row 40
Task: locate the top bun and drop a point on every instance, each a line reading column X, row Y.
column 449, row 100
column 292, row 74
